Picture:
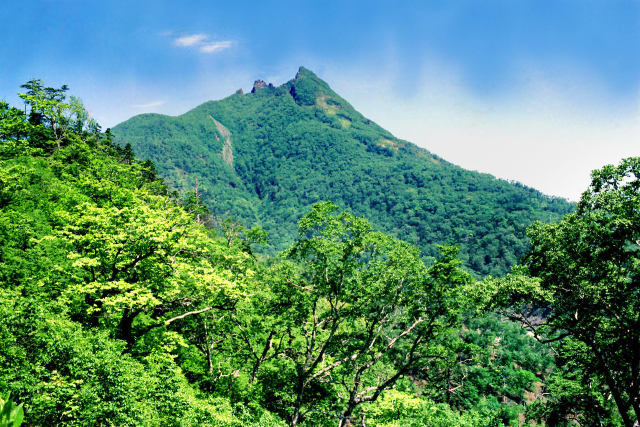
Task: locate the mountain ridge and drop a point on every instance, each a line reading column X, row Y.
column 300, row 142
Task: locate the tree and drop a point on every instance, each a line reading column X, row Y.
column 47, row 104
column 99, row 268
column 144, row 257
column 365, row 312
column 13, row 125
column 48, row 107
column 584, row 272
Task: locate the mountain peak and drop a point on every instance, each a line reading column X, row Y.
column 308, row 89
column 305, row 72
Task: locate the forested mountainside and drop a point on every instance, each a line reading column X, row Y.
column 265, row 157
column 121, row 305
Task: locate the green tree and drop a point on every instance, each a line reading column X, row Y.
column 365, row 309
column 49, row 107
column 47, row 104
column 98, row 269
column 144, row 257
column 583, row 290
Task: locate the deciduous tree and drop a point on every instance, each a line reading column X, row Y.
column 368, row 311
column 583, row 290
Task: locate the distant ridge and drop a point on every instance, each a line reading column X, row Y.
column 266, row 156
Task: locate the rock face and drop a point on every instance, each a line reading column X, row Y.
column 227, row 148
column 240, row 92
column 258, row 84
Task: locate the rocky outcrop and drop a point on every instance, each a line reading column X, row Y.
column 258, row 84
column 240, row 92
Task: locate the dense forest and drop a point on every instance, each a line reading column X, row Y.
column 125, row 302
column 265, row 157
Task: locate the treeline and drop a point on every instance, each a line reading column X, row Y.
column 122, row 303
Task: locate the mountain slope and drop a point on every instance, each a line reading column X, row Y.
column 265, row 157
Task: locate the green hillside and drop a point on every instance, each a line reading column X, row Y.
column 118, row 306
column 267, row 156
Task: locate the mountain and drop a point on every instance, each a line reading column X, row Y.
column 265, row 157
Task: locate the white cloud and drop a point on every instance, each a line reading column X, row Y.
column 191, row 40
column 149, row 105
column 212, row 47
column 203, row 42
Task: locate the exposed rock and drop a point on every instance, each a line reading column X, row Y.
column 259, row 84
column 227, row 148
column 240, row 92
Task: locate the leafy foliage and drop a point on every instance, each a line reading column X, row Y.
column 97, row 260
column 123, row 304
column 11, row 415
column 584, row 272
column 369, row 310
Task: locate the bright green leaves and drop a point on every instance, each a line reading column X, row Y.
column 99, row 268
column 105, row 238
column 11, row 415
column 47, row 106
column 117, row 304
column 52, row 118
column 514, row 290
column 148, row 255
column 13, row 130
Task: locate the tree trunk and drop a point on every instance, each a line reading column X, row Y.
column 615, row 391
column 209, row 360
column 262, row 357
column 617, row 397
column 295, row 418
column 636, row 409
column 345, row 421
column 125, row 327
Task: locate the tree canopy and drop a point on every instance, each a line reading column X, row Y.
column 123, row 303
column 581, row 293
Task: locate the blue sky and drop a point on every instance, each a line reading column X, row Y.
column 535, row 91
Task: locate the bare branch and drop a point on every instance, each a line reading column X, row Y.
column 189, row 313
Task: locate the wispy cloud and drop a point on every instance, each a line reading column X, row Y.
column 190, row 40
column 203, row 42
column 212, row 47
column 149, row 105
